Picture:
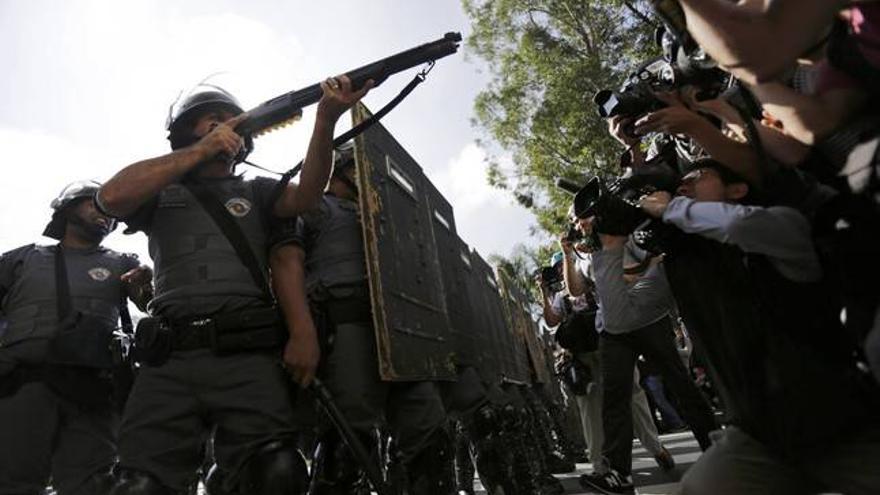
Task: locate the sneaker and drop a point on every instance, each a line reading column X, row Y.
column 665, row 460
column 610, row 482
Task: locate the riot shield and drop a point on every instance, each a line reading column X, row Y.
column 454, row 263
column 536, row 354
column 500, row 356
column 409, row 309
column 514, row 325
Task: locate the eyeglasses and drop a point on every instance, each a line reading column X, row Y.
column 693, row 176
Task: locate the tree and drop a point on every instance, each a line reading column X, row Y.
column 547, row 59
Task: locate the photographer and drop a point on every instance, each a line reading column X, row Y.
column 576, row 317
column 752, row 294
column 635, row 320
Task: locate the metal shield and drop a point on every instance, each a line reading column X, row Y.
column 454, row 257
column 498, row 359
column 413, row 334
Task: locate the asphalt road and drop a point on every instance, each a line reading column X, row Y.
column 649, row 479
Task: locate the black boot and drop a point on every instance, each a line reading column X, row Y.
column 534, row 441
column 494, row 457
column 432, row 471
column 335, row 470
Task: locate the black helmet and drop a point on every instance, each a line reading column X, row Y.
column 343, row 158
column 68, row 196
column 204, row 98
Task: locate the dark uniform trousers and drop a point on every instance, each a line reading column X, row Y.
column 468, row 392
column 173, row 408
column 43, row 435
column 618, row 355
column 412, row 410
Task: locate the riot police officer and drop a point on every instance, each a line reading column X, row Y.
column 62, row 305
column 328, row 248
column 212, row 345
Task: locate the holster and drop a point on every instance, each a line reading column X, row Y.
column 84, row 340
column 152, row 341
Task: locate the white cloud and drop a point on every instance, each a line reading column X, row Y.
column 486, row 217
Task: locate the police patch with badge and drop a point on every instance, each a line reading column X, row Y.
column 238, row 207
column 100, row 274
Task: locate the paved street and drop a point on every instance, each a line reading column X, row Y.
column 648, row 477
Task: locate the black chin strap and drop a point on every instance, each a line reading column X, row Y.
column 355, row 131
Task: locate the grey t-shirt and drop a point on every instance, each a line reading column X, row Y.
column 626, row 307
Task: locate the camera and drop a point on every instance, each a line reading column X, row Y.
column 636, row 97
column 551, row 278
column 614, row 203
column 683, row 64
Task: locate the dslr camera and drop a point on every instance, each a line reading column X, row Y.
column 551, row 278
column 683, row 64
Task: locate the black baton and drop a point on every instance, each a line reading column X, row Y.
column 325, row 398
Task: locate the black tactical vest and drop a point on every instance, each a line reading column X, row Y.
column 335, row 247
column 775, row 346
column 95, row 289
column 197, row 272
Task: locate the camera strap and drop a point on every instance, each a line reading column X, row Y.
column 356, row 130
column 233, row 233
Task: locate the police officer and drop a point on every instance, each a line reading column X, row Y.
column 213, row 343
column 329, row 247
column 62, row 306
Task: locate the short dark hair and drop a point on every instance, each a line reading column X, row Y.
column 728, row 177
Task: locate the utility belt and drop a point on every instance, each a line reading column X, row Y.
column 90, row 388
column 340, row 304
column 226, row 333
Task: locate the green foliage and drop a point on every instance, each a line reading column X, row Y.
column 547, row 59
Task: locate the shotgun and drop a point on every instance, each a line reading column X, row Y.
column 284, row 109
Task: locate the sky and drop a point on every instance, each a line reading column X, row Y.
column 87, row 85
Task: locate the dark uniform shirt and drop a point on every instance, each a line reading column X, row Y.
column 28, row 295
column 197, row 272
column 332, row 238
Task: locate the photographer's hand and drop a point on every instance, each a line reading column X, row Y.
column 616, row 126
column 674, row 119
column 655, row 203
column 566, row 244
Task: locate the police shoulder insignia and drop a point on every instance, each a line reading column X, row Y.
column 239, row 207
column 99, row 274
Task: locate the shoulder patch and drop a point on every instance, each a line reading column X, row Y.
column 100, row 274
column 238, row 207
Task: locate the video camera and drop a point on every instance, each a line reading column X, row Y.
column 614, row 204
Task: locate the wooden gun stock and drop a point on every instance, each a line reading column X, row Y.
column 282, row 110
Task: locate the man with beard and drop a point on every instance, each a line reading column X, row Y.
column 62, row 304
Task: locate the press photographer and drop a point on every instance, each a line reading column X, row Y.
column 582, row 371
column 753, row 295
